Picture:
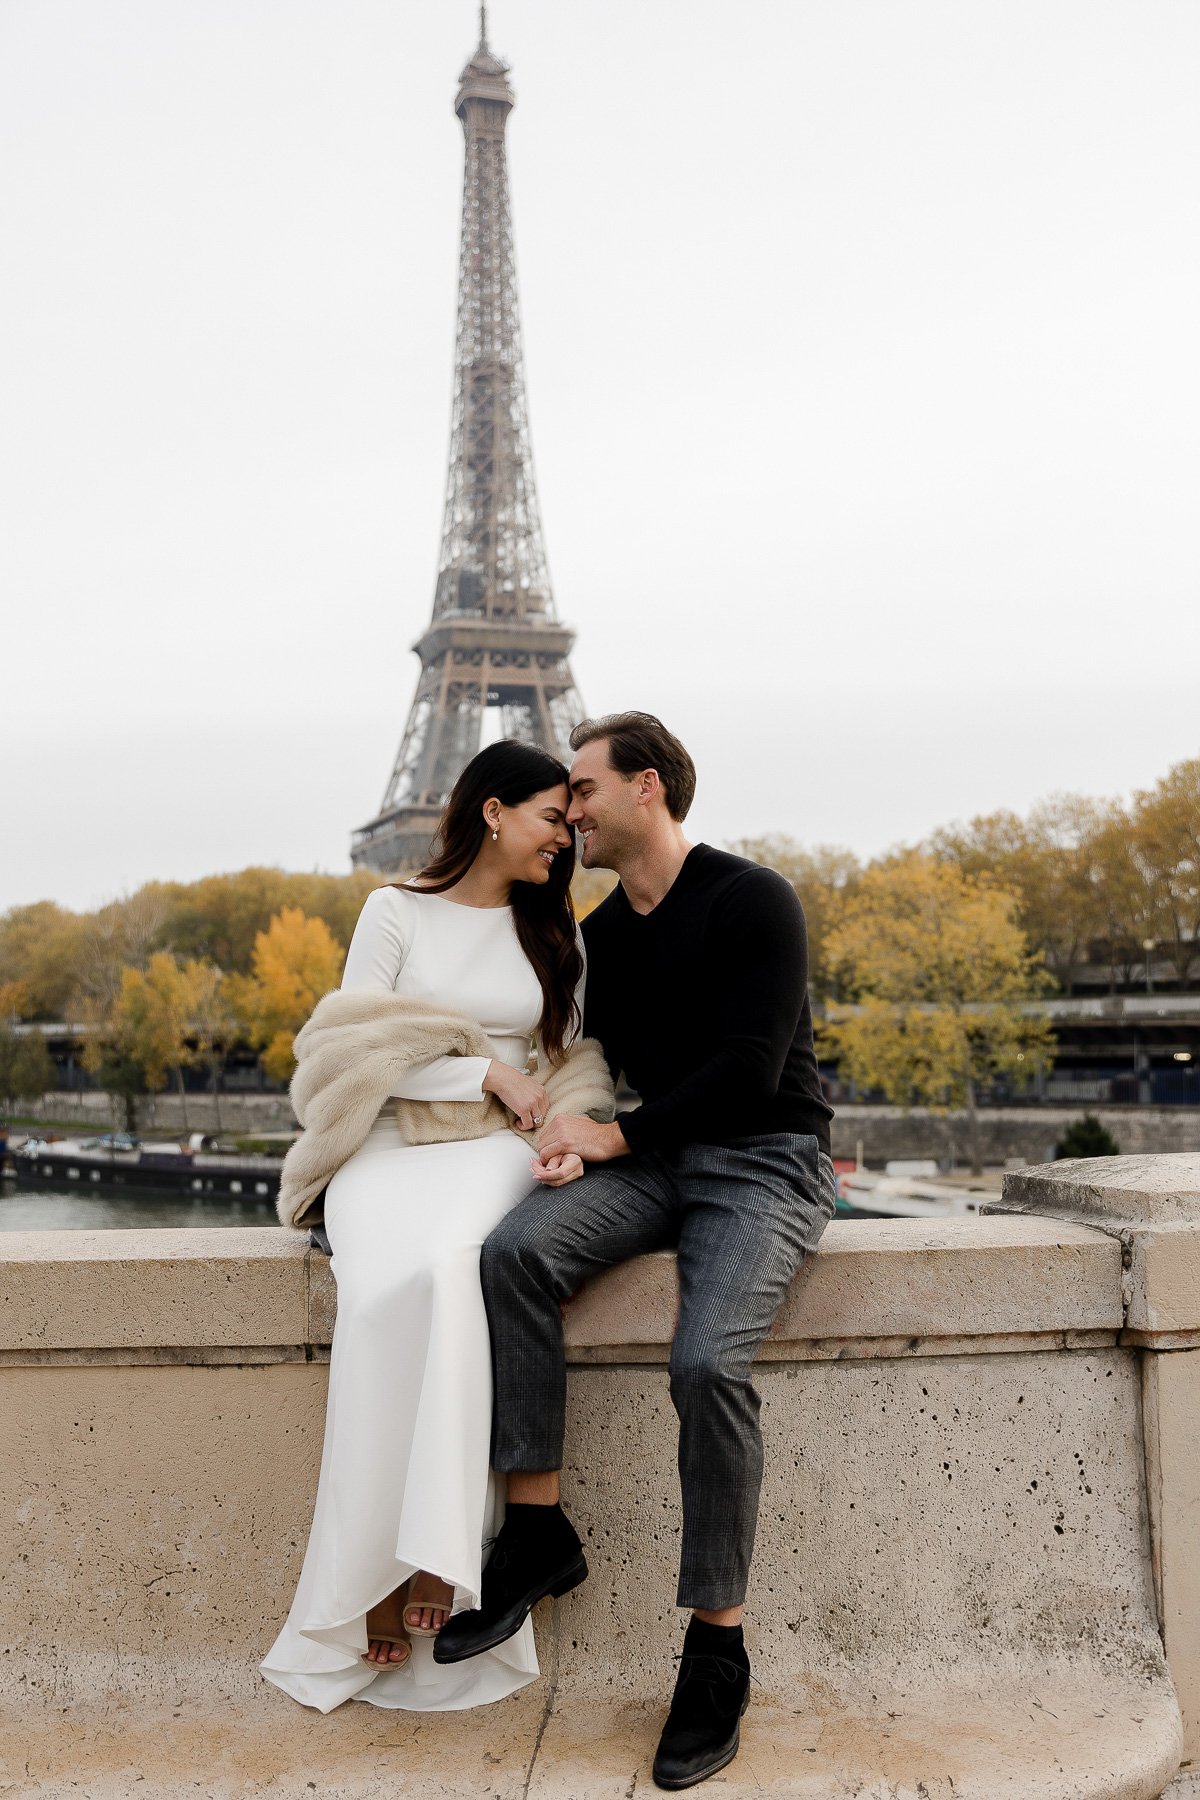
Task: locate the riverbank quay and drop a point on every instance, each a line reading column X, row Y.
column 978, row 1566
column 885, row 1133
column 1007, row 1134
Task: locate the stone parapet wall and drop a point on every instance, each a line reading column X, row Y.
column 243, row 1114
column 885, row 1132
column 980, row 1517
column 1006, row 1133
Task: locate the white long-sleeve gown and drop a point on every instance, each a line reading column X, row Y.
column 405, row 1482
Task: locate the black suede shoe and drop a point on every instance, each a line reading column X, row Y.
column 523, row 1568
column 704, row 1724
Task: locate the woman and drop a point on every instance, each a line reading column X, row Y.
column 405, row 1489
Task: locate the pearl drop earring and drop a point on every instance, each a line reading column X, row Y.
column 495, row 836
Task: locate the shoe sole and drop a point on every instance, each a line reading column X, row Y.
column 722, row 1761
column 570, row 1577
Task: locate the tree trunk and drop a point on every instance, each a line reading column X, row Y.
column 973, row 1128
column 182, row 1096
column 216, row 1093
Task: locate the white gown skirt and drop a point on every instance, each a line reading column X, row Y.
column 405, row 1482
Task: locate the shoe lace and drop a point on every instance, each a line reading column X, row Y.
column 718, row 1670
column 501, row 1558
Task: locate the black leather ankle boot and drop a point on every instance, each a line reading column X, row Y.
column 530, row 1558
column 712, row 1691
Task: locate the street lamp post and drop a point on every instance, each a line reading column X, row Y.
column 1148, row 944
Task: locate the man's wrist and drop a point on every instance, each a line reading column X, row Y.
column 627, row 1147
column 618, row 1143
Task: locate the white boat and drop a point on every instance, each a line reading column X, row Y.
column 866, row 1193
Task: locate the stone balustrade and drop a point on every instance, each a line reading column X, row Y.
column 978, row 1566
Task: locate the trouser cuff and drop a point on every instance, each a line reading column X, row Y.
column 536, row 1461
column 709, row 1595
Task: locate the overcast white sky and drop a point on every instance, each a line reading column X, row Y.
column 864, row 380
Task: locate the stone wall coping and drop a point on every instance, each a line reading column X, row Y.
column 1150, row 1190
column 882, row 1287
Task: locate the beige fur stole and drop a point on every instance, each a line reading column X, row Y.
column 357, row 1047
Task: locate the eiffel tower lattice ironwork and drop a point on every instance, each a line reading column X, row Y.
column 494, row 655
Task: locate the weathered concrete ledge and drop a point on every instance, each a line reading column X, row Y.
column 980, row 1518
column 892, row 1287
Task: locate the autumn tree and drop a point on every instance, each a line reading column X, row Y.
column 296, row 960
column 14, row 1001
column 213, row 1021
column 26, row 1066
column 589, row 887
column 1165, row 832
column 218, row 919
column 147, row 1028
column 823, row 879
column 119, row 1073
column 939, row 975
column 42, row 950
column 1050, row 862
column 1125, row 898
column 119, row 936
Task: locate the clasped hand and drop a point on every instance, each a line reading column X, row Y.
column 566, row 1142
column 570, row 1141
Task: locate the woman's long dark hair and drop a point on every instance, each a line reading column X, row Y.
column 512, row 772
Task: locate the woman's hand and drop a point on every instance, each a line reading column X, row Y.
column 556, row 1171
column 523, row 1094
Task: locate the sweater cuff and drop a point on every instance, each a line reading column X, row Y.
column 633, row 1128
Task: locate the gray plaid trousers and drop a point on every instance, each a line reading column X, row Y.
column 741, row 1217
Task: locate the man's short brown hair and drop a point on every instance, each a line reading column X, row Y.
column 637, row 741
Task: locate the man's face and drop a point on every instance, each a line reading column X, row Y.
column 603, row 807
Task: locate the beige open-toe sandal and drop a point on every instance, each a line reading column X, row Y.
column 383, row 1637
column 417, row 1603
column 386, row 1637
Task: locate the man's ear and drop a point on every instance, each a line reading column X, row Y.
column 648, row 785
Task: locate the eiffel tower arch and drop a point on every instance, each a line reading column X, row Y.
column 494, row 657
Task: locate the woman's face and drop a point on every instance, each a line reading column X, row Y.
column 531, row 834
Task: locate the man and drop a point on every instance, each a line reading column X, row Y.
column 698, row 991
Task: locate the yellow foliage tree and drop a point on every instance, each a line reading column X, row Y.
column 212, row 1020
column 144, row 1035
column 165, row 1018
column 1055, row 863
column 940, row 975
column 296, row 960
column 1166, row 846
column 589, row 887
column 42, row 949
column 823, row 878
column 14, row 1001
column 219, row 917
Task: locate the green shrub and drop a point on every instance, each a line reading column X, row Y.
column 1087, row 1137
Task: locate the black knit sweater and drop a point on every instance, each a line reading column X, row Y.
column 703, row 1003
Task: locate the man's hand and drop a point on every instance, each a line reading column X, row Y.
column 558, row 1171
column 568, row 1135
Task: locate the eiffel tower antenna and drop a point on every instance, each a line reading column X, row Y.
column 494, row 655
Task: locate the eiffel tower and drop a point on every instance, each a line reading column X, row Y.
column 494, row 655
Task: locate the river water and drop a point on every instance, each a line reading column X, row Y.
column 46, row 1208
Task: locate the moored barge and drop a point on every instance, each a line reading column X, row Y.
column 198, row 1167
